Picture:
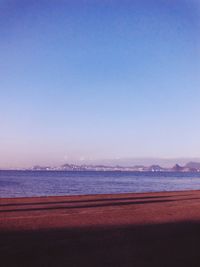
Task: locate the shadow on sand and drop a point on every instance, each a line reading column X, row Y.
column 172, row 244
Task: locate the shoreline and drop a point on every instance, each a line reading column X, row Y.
column 96, row 195
column 131, row 229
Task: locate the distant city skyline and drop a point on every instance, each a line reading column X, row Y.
column 99, row 80
column 123, row 162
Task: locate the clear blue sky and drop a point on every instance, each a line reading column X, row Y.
column 98, row 79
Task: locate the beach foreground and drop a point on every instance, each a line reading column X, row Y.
column 150, row 229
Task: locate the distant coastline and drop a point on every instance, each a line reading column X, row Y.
column 188, row 167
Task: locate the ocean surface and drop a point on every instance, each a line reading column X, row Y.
column 51, row 183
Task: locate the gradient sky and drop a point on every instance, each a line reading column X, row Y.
column 98, row 79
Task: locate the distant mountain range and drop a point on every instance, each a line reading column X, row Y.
column 188, row 167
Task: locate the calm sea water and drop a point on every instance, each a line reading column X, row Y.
column 49, row 183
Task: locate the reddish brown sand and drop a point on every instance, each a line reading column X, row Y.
column 152, row 229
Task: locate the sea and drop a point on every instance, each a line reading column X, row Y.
column 50, row 183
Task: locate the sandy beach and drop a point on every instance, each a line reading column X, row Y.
column 150, row 229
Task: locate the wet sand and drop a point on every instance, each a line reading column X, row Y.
column 151, row 229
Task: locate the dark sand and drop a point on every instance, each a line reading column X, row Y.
column 152, row 229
